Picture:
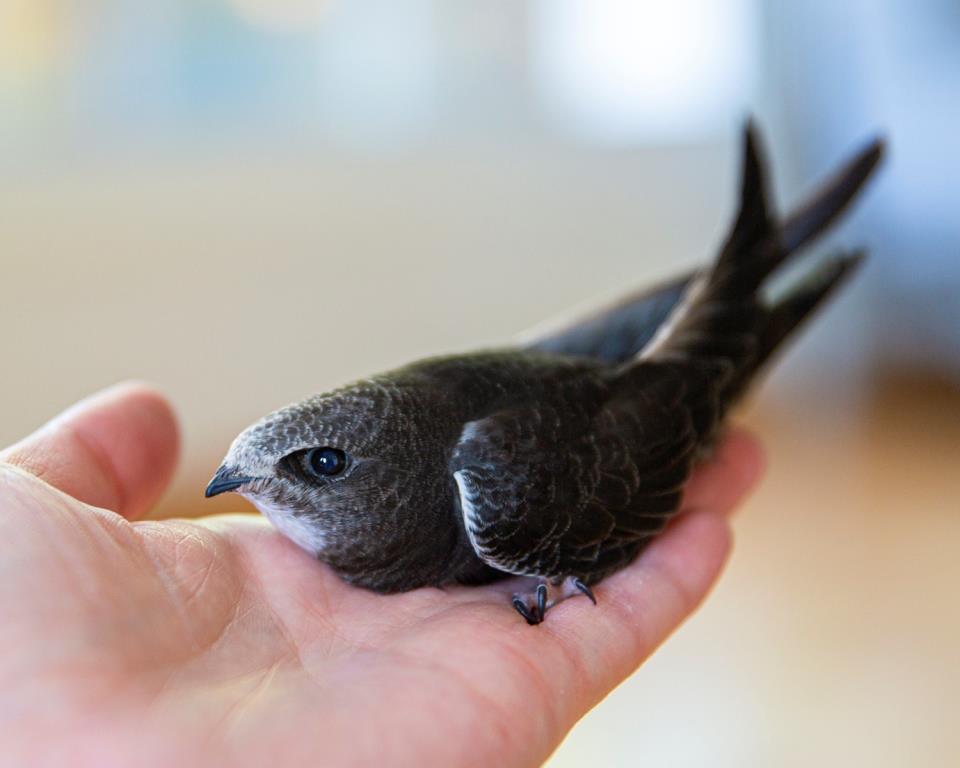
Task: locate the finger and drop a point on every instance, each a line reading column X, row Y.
column 116, row 449
column 646, row 602
column 720, row 483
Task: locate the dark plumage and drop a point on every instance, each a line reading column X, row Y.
column 559, row 460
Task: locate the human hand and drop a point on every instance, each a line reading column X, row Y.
column 216, row 641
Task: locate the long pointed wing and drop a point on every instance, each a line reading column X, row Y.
column 551, row 491
column 615, row 333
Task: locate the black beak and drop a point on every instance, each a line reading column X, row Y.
column 225, row 480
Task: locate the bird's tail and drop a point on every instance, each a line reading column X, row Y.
column 725, row 320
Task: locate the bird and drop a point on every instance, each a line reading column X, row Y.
column 558, row 459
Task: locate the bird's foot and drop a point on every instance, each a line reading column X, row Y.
column 533, row 605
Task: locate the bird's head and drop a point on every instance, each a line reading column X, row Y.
column 350, row 476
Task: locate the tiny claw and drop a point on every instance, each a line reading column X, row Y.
column 542, row 601
column 585, row 589
column 521, row 608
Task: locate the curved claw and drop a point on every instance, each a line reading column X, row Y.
column 533, row 605
column 530, row 616
column 585, row 589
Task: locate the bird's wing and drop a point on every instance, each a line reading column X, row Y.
column 613, row 333
column 554, row 491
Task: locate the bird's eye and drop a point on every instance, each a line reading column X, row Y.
column 325, row 462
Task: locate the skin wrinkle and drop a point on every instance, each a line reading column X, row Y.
column 167, row 582
column 37, row 462
column 319, row 606
column 380, row 625
column 279, row 624
column 207, row 648
column 504, row 736
column 230, row 721
column 173, row 587
column 208, row 570
column 24, row 487
column 201, row 650
column 235, row 615
column 332, row 642
column 103, row 688
column 506, row 647
column 119, row 531
column 96, row 521
column 484, row 702
column 540, row 684
column 443, row 614
column 104, row 460
column 319, row 612
column 27, row 465
column 97, row 679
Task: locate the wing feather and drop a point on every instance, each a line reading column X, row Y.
column 553, row 490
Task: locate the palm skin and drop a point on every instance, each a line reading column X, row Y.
column 216, row 641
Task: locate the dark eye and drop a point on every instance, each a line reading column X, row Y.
column 325, row 462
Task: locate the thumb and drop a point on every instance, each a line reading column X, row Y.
column 116, row 449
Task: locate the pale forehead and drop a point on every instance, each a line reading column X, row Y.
column 344, row 418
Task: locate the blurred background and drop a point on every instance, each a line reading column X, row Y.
column 247, row 201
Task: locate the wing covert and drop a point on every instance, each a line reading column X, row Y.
column 553, row 491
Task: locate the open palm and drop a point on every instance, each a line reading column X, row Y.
column 217, row 642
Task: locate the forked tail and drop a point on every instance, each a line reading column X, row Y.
column 725, row 321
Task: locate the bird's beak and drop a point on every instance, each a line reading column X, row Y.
column 226, row 479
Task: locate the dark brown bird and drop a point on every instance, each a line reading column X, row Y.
column 559, row 460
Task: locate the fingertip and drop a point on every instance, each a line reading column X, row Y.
column 156, row 414
column 135, row 424
column 115, row 449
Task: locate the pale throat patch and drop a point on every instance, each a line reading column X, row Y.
column 300, row 532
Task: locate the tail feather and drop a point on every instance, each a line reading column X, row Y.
column 823, row 208
column 723, row 317
column 758, row 244
column 786, row 315
column 755, row 247
column 754, row 227
column 783, row 318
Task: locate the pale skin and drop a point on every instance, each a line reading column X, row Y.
column 215, row 641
